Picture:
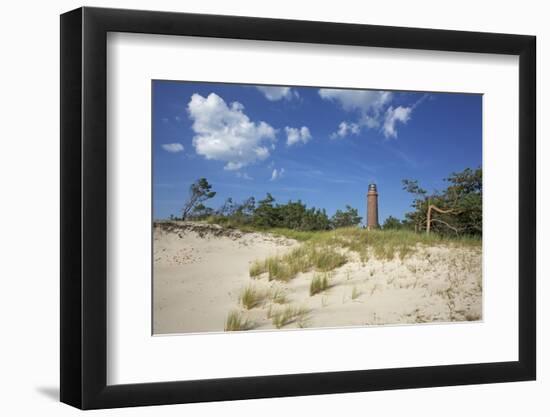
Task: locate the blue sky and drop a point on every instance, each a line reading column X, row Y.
column 322, row 146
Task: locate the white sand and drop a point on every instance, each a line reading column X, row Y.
column 200, row 270
column 197, row 279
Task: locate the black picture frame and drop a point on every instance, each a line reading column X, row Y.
column 84, row 207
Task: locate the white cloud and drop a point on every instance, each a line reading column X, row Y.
column 345, row 129
column 276, row 174
column 365, row 101
column 374, row 108
column 278, row 93
column 295, row 135
column 173, row 147
column 225, row 133
column 371, row 122
column 244, row 176
column 369, row 104
column 392, row 116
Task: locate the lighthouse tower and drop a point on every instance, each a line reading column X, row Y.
column 372, row 207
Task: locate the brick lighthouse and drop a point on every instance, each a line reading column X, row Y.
column 372, row 207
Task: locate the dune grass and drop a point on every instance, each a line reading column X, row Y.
column 278, row 296
column 256, row 269
column 320, row 247
column 250, row 297
column 319, row 283
column 307, row 257
column 236, row 322
column 402, row 238
column 322, row 250
column 288, row 315
column 387, row 244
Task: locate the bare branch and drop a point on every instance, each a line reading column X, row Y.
column 446, row 224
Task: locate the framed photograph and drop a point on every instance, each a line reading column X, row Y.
column 257, row 208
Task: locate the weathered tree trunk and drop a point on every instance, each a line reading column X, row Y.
column 429, row 218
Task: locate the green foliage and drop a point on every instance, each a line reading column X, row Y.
column 199, row 192
column 264, row 214
column 292, row 215
column 462, row 201
column 199, row 212
column 239, row 212
column 392, row 223
column 345, row 218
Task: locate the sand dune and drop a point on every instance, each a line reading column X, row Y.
column 200, row 271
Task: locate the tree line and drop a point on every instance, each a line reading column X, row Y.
column 265, row 213
column 456, row 210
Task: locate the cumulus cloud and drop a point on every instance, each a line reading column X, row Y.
column 276, row 174
column 225, row 133
column 365, row 101
column 278, row 93
column 392, row 116
column 173, row 147
column 295, row 135
column 374, row 111
column 345, row 129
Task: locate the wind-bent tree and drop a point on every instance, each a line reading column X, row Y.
column 456, row 210
column 417, row 217
column 199, row 192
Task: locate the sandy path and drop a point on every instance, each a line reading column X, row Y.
column 198, row 277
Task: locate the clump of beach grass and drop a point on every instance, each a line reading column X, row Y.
column 287, row 315
column 236, row 322
column 319, row 283
column 256, row 269
column 250, row 297
column 278, row 296
column 319, row 257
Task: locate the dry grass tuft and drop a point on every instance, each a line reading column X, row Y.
column 319, row 283
column 319, row 257
column 287, row 315
column 256, row 269
column 250, row 297
column 236, row 322
column 278, row 296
